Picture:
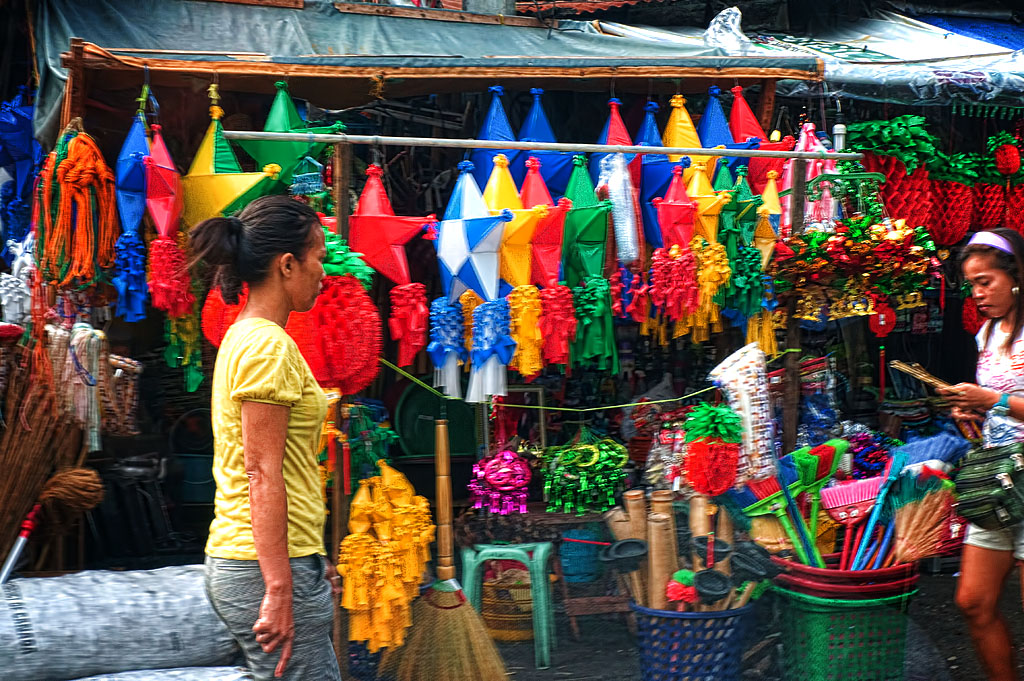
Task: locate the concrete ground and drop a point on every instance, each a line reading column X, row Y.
column 938, row 648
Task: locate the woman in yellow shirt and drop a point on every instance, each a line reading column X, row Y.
column 266, row 573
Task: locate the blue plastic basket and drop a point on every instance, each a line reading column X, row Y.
column 691, row 646
column 580, row 562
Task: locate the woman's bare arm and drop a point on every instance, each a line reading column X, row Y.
column 264, row 431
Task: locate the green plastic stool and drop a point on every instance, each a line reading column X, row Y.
column 540, row 591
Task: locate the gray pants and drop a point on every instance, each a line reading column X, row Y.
column 236, row 590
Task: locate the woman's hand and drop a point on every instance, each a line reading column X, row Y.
column 969, row 397
column 331, row 575
column 275, row 627
column 967, row 415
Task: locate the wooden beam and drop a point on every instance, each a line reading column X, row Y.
column 439, row 15
column 288, row 4
column 74, row 89
column 766, row 105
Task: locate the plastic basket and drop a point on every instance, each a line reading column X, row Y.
column 827, row 639
column 813, row 587
column 834, row 576
column 580, row 563
column 691, row 646
column 507, row 611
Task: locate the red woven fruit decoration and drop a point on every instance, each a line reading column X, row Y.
column 1015, row 208
column 340, row 338
column 989, row 206
column 971, row 319
column 953, row 177
column 905, row 196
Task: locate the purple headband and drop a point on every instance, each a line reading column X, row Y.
column 991, row 239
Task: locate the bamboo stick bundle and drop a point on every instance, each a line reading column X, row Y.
column 635, row 501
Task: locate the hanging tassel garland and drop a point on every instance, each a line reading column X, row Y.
column 557, row 323
column 524, row 312
column 493, row 349
column 408, row 321
column 446, row 349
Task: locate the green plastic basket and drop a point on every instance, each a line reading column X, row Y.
column 826, row 639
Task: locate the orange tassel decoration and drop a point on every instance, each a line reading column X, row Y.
column 81, row 234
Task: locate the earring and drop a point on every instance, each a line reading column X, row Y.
column 1015, row 290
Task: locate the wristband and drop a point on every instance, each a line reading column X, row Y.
column 1002, row 407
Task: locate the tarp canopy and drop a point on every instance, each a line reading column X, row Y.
column 886, row 58
column 248, row 47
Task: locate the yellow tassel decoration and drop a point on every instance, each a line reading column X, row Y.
column 714, row 273
column 382, row 560
column 761, row 330
column 524, row 315
column 469, row 301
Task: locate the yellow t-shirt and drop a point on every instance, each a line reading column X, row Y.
column 259, row 362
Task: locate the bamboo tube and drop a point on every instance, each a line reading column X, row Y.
column 724, row 531
column 658, row 559
column 636, row 506
column 700, row 525
column 620, row 528
column 661, row 502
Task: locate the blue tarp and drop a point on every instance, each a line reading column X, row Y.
column 321, row 35
column 1003, row 33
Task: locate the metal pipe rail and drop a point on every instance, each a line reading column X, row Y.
column 377, row 140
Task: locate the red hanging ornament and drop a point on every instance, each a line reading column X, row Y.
column 881, row 324
column 711, row 465
column 1015, row 208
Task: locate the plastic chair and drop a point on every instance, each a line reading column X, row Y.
column 535, row 556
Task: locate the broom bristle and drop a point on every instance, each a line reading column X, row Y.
column 447, row 641
column 825, row 454
column 918, row 527
column 78, row 489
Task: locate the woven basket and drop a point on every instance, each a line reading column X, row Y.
column 507, row 606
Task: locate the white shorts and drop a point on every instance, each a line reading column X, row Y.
column 1005, row 539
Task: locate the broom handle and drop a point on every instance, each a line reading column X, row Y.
column 443, row 489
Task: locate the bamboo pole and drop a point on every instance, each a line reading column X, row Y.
column 661, row 502
column 658, row 560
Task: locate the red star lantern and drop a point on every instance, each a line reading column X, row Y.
column 547, row 240
column 380, row 235
column 675, row 212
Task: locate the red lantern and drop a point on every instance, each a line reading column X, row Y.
column 882, row 323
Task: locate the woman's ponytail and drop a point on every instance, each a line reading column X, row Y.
column 217, row 242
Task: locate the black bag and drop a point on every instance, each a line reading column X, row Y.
column 990, row 486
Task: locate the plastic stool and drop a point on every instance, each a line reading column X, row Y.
column 535, row 556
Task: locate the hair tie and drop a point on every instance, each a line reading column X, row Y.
column 235, row 226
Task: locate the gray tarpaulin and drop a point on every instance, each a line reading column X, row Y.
column 320, row 35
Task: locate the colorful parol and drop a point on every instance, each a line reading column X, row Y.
column 742, row 376
column 713, row 438
column 447, row 349
column 524, row 308
column 595, row 332
column 499, row 483
column 170, row 287
column 77, row 225
column 382, row 560
column 557, row 323
column 129, row 275
column 584, row 476
column 493, row 348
